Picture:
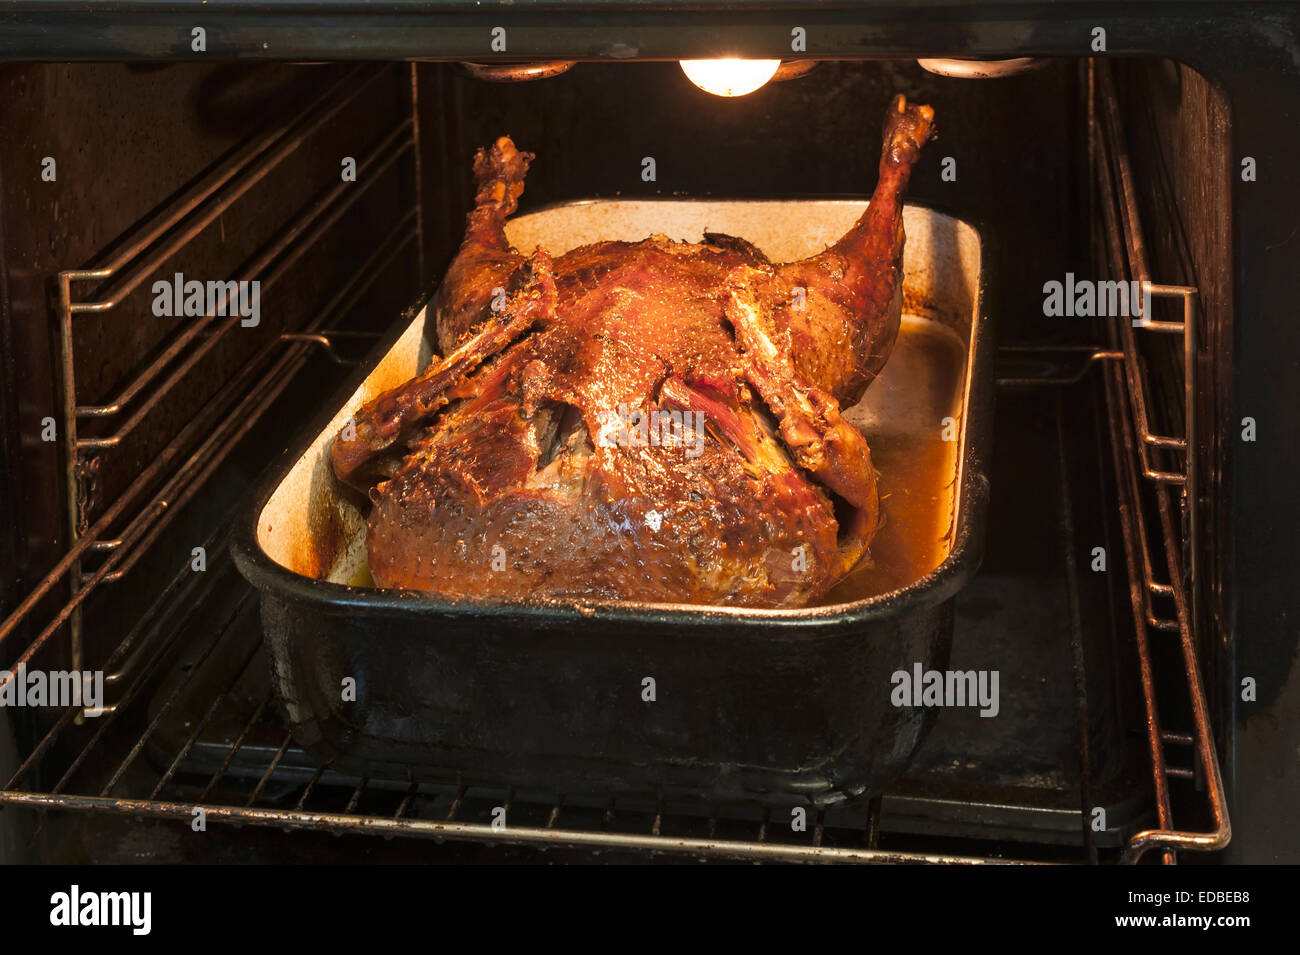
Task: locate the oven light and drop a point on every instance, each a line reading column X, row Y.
column 730, row 77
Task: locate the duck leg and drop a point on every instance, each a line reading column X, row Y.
column 486, row 262
column 844, row 322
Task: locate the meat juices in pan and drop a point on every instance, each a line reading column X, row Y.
column 653, row 421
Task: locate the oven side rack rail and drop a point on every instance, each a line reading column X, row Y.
column 1140, row 454
column 1177, row 495
column 125, row 527
column 1175, row 490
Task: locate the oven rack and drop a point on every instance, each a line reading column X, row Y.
column 74, row 750
column 199, row 736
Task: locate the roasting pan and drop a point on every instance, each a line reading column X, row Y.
column 632, row 699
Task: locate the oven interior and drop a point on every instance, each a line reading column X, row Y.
column 129, row 440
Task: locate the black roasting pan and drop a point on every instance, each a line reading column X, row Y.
column 777, row 706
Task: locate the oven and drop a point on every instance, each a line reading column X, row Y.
column 1134, row 594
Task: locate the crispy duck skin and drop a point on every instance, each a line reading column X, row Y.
column 509, row 483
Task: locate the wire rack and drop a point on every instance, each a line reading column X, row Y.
column 235, row 763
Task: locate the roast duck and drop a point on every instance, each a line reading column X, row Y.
column 651, row 421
